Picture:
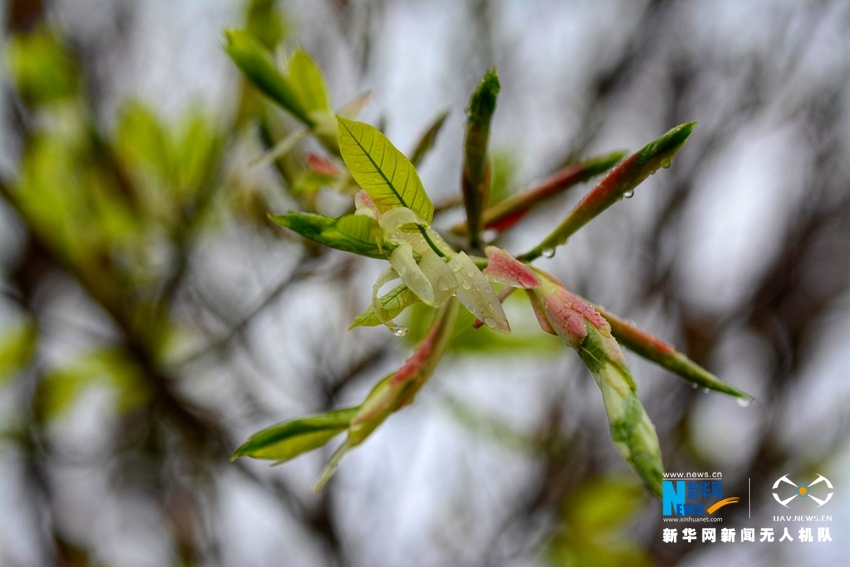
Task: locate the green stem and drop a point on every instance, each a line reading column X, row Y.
column 430, row 243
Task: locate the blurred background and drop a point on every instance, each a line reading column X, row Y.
column 152, row 318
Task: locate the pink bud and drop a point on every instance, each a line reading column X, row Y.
column 560, row 311
column 505, row 269
column 320, row 164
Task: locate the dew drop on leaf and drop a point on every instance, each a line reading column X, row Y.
column 743, row 402
column 694, row 386
column 705, row 390
column 629, row 194
column 548, row 252
column 490, row 322
column 666, row 163
column 399, row 331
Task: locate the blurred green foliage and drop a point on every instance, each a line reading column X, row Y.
column 593, row 522
column 41, row 68
column 17, row 348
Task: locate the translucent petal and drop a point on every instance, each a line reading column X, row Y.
column 476, row 294
column 387, row 275
column 403, row 262
column 394, row 219
column 442, row 278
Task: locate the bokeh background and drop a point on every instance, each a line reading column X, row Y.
column 151, row 317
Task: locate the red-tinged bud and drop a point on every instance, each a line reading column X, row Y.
column 654, row 349
column 619, row 183
column 398, row 389
column 320, row 164
column 505, row 269
column 586, row 331
column 563, row 313
column 540, row 314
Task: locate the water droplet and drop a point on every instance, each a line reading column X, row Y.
column 629, row 194
column 666, row 163
column 491, row 305
column 548, row 252
column 399, row 331
column 466, row 285
column 490, row 322
column 470, row 273
column 705, row 390
column 744, row 402
column 694, row 386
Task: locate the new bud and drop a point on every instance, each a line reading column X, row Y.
column 585, row 330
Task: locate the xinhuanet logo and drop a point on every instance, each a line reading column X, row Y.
column 694, row 497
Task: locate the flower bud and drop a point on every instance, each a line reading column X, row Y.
column 586, row 331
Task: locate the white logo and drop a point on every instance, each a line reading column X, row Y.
column 802, row 490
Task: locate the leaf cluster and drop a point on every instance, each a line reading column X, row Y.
column 391, row 220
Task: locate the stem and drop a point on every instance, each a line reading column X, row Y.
column 430, row 243
column 503, row 215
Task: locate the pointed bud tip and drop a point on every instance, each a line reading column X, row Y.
column 680, row 133
column 483, row 100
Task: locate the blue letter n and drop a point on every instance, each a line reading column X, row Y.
column 673, row 497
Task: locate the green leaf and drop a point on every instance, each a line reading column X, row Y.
column 476, row 178
column 60, row 388
column 17, row 349
column 382, row 170
column 595, row 517
column 41, row 67
column 623, row 179
column 265, row 21
column 287, row 440
column 503, row 169
column 428, row 139
column 306, row 79
column 604, row 505
column 197, row 153
column 256, row 62
column 392, row 304
column 353, row 233
column 143, row 141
